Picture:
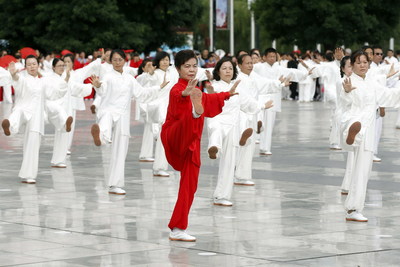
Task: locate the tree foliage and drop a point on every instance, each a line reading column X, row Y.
column 329, row 22
column 86, row 25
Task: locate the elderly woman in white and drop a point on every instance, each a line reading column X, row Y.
column 117, row 89
column 363, row 95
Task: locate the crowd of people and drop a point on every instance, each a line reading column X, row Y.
column 237, row 96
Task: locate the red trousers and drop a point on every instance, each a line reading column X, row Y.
column 187, row 189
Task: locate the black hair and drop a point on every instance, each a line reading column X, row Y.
column 183, row 56
column 376, row 47
column 237, row 55
column 269, row 50
column 240, row 58
column 365, row 47
column 342, row 64
column 71, row 56
column 329, row 56
column 119, row 52
column 390, row 50
column 143, row 64
column 357, row 54
column 254, row 51
column 31, row 56
column 55, row 61
column 159, row 56
column 218, row 67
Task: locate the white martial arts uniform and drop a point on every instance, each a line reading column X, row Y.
column 116, row 92
column 273, row 72
column 363, row 102
column 307, row 86
column 146, row 113
column 223, row 133
column 252, row 85
column 28, row 116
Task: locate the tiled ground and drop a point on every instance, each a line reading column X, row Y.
column 292, row 217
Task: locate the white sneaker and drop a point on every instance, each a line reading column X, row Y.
column 376, row 159
column 180, row 235
column 68, row 152
column 161, row 173
column 243, row 182
column 356, row 217
column 335, row 147
column 28, row 181
column 59, row 165
column 116, row 190
column 146, row 160
column 222, row 202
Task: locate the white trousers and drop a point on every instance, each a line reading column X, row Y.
column 30, row 160
column 71, row 133
column 245, row 153
column 349, row 171
column 334, row 136
column 361, row 172
column 160, row 160
column 146, row 150
column 378, row 133
column 119, row 150
column 398, row 119
column 226, row 168
column 266, row 135
column 305, row 92
column 7, row 94
column 60, row 147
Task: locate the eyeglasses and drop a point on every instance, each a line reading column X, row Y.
column 378, row 54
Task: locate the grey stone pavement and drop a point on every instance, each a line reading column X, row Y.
column 293, row 216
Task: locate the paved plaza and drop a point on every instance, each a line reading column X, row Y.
column 293, row 216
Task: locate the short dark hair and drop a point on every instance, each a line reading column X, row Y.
column 143, row 64
column 357, row 54
column 365, row 47
column 218, row 67
column 183, row 56
column 31, row 56
column 376, row 47
column 269, row 50
column 55, row 61
column 237, row 55
column 329, row 56
column 159, row 56
column 240, row 58
column 119, row 52
column 342, row 64
column 71, row 56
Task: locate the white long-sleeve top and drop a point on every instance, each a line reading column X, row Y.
column 229, row 118
column 274, row 72
column 362, row 103
column 116, row 91
column 29, row 99
column 330, row 73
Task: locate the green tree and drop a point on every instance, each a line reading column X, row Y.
column 164, row 18
column 328, row 22
column 86, row 25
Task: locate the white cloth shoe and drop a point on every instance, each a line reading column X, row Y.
column 335, row 147
column 146, row 159
column 344, row 192
column 116, row 190
column 28, row 181
column 243, row 182
column 265, row 153
column 180, row 235
column 161, row 173
column 68, row 152
column 222, row 202
column 376, row 159
column 355, row 216
column 59, row 165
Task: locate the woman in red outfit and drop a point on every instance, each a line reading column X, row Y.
column 181, row 134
